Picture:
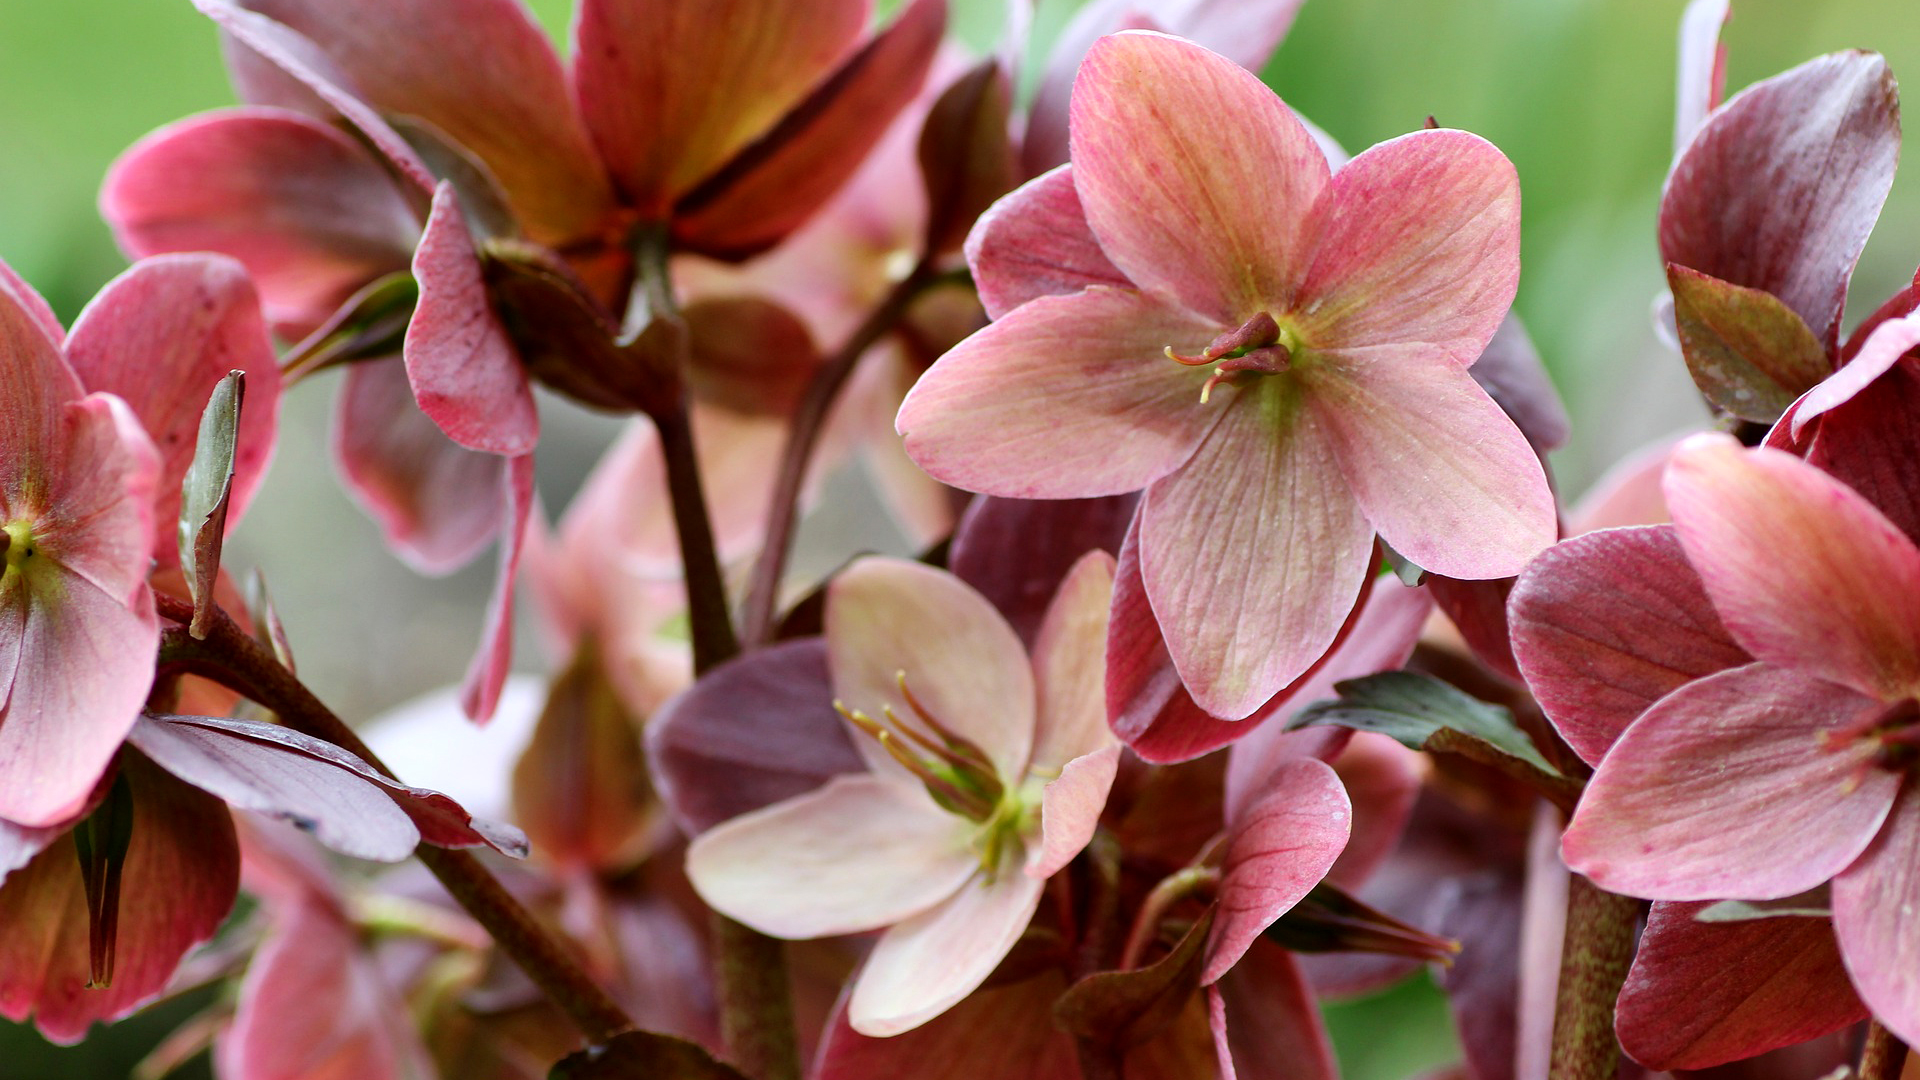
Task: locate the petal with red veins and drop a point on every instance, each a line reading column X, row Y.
column 162, row 336
column 307, row 210
column 960, row 659
column 35, row 382
column 96, row 497
column 1199, row 183
column 464, row 370
column 1036, row 242
column 860, row 853
column 671, row 91
column 1441, row 473
column 1069, row 665
column 1726, row 788
column 1277, row 852
column 1780, row 187
column 1253, row 554
column 923, row 966
column 1803, row 571
column 487, row 673
column 1439, row 270
column 1872, row 445
column 1596, row 665
column 1067, row 397
column 1874, row 901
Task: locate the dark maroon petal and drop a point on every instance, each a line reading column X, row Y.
column 1874, row 901
column 1482, row 911
column 1781, row 186
column 1872, row 444
column 1015, row 552
column 1035, row 242
column 1511, row 373
column 1267, row 1022
column 1478, row 609
column 1003, row 1032
column 755, row 731
column 1607, row 623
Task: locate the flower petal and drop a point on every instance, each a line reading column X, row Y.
column 35, row 384
column 923, row 966
column 1253, row 554
column 1198, row 181
column 1873, row 905
column 464, row 370
column 1724, row 789
column 1066, row 397
column 1512, row 374
column 1005, row 1032
column 1016, row 552
column 1069, row 666
column 1872, row 444
column 961, row 660
column 1606, row 624
column 307, row 210
column 1070, row 810
column 1702, row 78
column 1036, row 242
column 1440, row 471
column 1804, row 572
column 860, row 853
column 1277, row 852
column 1266, row 1019
column 487, row 673
column 1440, row 269
column 1882, row 349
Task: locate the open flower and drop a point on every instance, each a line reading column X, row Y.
column 1767, row 779
column 986, row 772
column 1282, row 364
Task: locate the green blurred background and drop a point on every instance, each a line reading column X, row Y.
column 1577, row 92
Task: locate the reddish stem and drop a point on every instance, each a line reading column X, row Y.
column 1593, row 967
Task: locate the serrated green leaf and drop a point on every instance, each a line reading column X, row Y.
column 205, row 492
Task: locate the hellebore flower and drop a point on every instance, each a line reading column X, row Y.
column 1280, row 359
column 1767, row 779
column 987, row 772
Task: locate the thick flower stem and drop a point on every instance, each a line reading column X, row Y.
column 232, row 657
column 1884, row 1056
column 783, row 511
column 709, row 620
column 1593, row 966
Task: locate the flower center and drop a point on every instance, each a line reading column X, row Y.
column 1261, row 346
column 1896, row 730
column 955, row 770
column 16, row 539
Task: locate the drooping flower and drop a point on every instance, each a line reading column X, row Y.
column 986, row 772
column 1280, row 360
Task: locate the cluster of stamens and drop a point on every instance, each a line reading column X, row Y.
column 1259, row 346
column 1895, row 727
column 956, row 771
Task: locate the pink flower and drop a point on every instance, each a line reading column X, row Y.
column 1277, row 354
column 1767, row 779
column 987, row 772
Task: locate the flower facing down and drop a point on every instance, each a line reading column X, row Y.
column 1767, row 779
column 1276, row 353
column 987, row 771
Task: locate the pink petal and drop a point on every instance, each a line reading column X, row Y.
column 1283, row 847
column 1804, row 572
column 1070, row 808
column 774, row 185
column 436, row 502
column 161, row 336
column 1383, row 779
column 1882, row 349
column 1780, row 187
column 1724, row 788
column 1002, row 1031
column 20, row 843
column 464, row 371
column 33, row 306
column 35, row 384
column 923, row 966
column 1439, row 269
column 91, row 505
column 1873, row 905
column 860, row 853
column 1198, row 181
column 1016, row 552
column 670, row 92
column 1439, row 470
column 1069, row 666
column 309, row 212
column 1701, row 994
column 1043, row 145
column 1065, row 398
column 962, row 661
column 1628, row 493
column 1702, row 78
column 480, row 689
column 1253, row 553
column 1606, row 624
column 180, row 877
column 752, row 732
column 480, row 72
column 1036, row 242
column 1266, row 1020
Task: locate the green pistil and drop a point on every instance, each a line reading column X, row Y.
column 17, row 536
column 1001, row 840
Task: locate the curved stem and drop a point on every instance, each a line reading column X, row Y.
column 1593, row 966
column 783, row 511
column 232, row 657
column 1884, row 1055
column 1172, row 889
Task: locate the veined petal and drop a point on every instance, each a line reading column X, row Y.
column 1873, row 905
column 1036, row 242
column 306, row 209
column 35, row 384
column 925, row 965
column 670, row 91
column 1066, row 397
column 1278, row 851
column 1199, row 183
column 96, row 495
column 961, row 660
column 1069, row 665
column 1872, row 444
column 1253, row 554
column 860, row 853
column 1724, row 788
column 1804, row 571
column 1441, row 473
column 1882, row 349
column 1437, row 268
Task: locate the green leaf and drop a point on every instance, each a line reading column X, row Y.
column 1750, row 354
column 643, row 1055
column 205, row 493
